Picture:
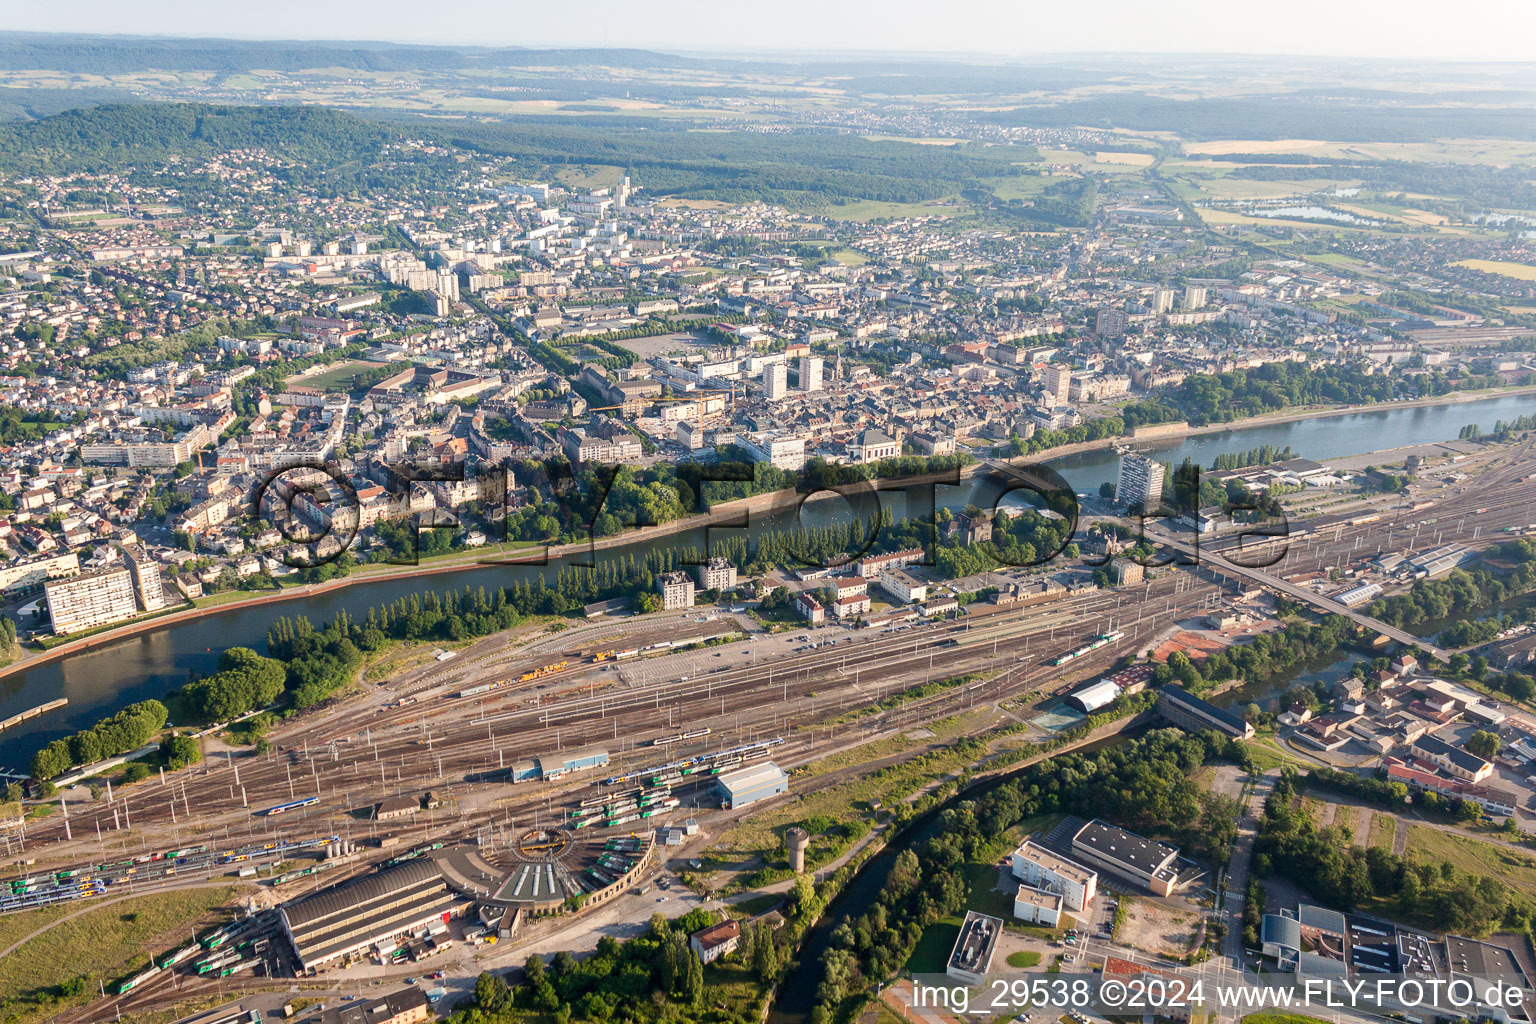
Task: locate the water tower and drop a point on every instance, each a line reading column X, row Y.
column 795, row 841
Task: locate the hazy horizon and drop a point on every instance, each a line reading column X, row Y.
column 1496, row 31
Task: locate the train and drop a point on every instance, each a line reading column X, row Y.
column 170, row 960
column 138, row 979
column 603, row 655
column 673, row 770
column 539, row 673
column 1102, row 640
column 294, row 876
column 308, row 801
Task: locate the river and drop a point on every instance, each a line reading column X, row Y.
column 99, row 681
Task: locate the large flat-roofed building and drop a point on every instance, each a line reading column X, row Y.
column 407, row 1006
column 1145, row 861
column 971, row 958
column 749, row 785
column 552, row 766
column 1187, row 711
column 1036, row 866
column 90, row 600
column 345, row 921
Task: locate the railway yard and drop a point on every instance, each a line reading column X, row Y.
column 550, row 755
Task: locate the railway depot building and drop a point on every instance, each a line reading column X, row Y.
column 751, row 784
column 373, row 913
column 1144, row 861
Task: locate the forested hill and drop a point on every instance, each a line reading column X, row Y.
column 111, row 55
column 336, row 151
column 118, row 135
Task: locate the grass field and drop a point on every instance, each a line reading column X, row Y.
column 1383, row 831
column 1514, row 868
column 1518, row 271
column 337, row 377
column 102, row 945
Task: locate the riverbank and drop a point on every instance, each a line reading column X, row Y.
column 732, row 514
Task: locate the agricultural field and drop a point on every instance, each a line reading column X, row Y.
column 1518, row 271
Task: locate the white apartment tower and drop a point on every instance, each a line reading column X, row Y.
column 810, row 373
column 775, row 381
column 1058, row 383
column 1139, row 484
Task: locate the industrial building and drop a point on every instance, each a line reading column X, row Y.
column 751, row 784
column 1038, row 867
column 552, row 766
column 1144, row 861
column 376, row 911
column 1187, row 711
column 1095, row 695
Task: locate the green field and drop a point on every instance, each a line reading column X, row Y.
column 1513, row 867
column 63, row 966
column 1383, row 831
column 337, row 377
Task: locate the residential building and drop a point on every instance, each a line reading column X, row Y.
column 1036, row 866
column 1139, row 483
column 716, row 574
column 718, row 940
column 90, row 600
column 903, row 586
column 775, row 381
column 810, row 373
column 1058, row 383
column 676, row 590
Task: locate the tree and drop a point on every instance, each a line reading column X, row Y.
column 765, row 961
column 693, row 981
column 180, row 751
column 491, row 992
column 1484, row 744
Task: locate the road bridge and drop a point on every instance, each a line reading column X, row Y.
column 1216, row 563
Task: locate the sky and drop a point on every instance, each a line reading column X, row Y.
column 1470, row 30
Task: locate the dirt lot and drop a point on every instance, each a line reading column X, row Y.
column 1154, row 928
